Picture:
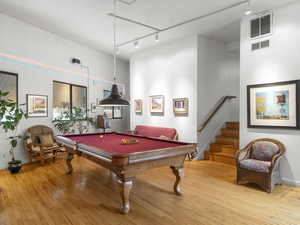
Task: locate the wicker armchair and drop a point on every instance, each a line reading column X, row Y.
column 36, row 149
column 258, row 163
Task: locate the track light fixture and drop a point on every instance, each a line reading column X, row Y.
column 136, row 44
column 157, row 37
column 248, row 10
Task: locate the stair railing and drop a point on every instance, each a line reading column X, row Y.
column 213, row 112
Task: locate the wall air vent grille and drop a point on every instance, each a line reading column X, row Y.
column 255, row 46
column 259, row 45
column 261, row 26
column 265, row 44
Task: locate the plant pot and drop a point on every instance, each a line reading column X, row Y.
column 15, row 166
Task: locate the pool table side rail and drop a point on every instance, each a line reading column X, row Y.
column 77, row 146
column 130, row 135
column 135, row 157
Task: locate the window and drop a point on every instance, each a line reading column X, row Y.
column 261, row 26
column 9, row 83
column 67, row 97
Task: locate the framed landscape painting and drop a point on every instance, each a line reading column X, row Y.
column 157, row 104
column 138, row 106
column 274, row 105
column 181, row 106
column 37, row 105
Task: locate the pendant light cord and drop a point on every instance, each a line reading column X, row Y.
column 115, row 40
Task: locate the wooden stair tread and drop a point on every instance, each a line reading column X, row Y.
column 226, row 144
column 225, row 137
column 224, row 154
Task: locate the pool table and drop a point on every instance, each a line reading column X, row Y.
column 125, row 161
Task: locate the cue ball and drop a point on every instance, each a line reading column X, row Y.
column 101, row 136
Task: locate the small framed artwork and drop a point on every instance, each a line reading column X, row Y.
column 138, row 106
column 157, row 104
column 93, row 107
column 181, row 106
column 37, row 105
column 108, row 112
column 117, row 110
column 274, row 105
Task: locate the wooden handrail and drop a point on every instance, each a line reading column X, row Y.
column 215, row 110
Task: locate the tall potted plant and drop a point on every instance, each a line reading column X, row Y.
column 10, row 116
column 77, row 122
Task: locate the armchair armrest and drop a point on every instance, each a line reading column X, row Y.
column 41, row 147
column 243, row 153
column 275, row 160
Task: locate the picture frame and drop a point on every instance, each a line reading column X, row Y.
column 138, row 106
column 181, row 107
column 37, row 105
column 274, row 105
column 157, row 104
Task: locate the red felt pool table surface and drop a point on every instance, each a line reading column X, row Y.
column 111, row 142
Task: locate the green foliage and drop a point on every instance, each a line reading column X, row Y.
column 75, row 122
column 11, row 114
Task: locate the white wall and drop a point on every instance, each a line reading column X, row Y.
column 218, row 76
column 194, row 67
column 169, row 70
column 278, row 63
column 30, row 43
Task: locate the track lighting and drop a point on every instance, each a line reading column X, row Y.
column 248, row 10
column 157, row 37
column 136, row 44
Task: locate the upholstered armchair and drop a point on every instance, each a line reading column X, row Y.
column 41, row 145
column 259, row 162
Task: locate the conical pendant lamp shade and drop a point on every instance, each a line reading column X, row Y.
column 114, row 99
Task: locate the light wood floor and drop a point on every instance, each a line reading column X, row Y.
column 46, row 195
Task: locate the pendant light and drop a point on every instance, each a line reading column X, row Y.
column 114, row 99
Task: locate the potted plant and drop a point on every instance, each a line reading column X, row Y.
column 10, row 116
column 77, row 122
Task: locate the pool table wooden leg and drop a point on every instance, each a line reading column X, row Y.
column 179, row 173
column 125, row 188
column 69, row 162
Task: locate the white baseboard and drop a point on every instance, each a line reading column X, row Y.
column 291, row 182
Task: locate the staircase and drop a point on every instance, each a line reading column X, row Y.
column 225, row 146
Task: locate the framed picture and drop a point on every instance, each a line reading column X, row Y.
column 138, row 106
column 117, row 112
column 274, row 105
column 108, row 112
column 37, row 105
column 157, row 104
column 181, row 106
column 93, row 108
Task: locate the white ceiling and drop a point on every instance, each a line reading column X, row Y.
column 86, row 21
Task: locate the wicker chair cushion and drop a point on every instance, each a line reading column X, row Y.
column 264, row 150
column 47, row 140
column 255, row 165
